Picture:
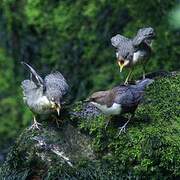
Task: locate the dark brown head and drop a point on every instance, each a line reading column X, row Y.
column 99, row 97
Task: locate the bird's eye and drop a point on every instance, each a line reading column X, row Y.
column 52, row 99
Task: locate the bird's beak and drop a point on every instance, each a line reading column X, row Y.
column 58, row 108
column 121, row 65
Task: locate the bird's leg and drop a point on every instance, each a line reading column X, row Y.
column 57, row 120
column 123, row 128
column 128, row 76
column 107, row 123
column 31, row 76
column 144, row 72
column 35, row 125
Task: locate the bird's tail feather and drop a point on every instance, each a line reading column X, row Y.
column 144, row 83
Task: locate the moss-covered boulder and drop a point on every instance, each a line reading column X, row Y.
column 81, row 148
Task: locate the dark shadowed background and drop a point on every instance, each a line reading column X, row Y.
column 73, row 37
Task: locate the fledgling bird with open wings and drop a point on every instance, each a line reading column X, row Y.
column 44, row 96
column 137, row 50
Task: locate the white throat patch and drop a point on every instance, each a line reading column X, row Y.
column 138, row 56
column 115, row 109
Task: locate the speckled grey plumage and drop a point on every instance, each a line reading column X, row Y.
column 130, row 96
column 55, row 85
column 143, row 35
column 126, row 47
column 38, row 93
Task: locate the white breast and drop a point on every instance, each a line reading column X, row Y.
column 138, row 56
column 113, row 110
column 40, row 105
column 43, row 101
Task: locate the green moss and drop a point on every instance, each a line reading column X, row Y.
column 73, row 37
column 149, row 149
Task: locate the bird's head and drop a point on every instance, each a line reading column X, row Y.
column 122, row 61
column 55, row 104
column 97, row 97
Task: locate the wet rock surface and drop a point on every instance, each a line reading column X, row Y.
column 82, row 148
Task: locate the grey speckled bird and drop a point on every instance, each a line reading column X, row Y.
column 137, row 50
column 120, row 100
column 44, row 96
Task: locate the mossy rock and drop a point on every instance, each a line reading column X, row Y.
column 83, row 149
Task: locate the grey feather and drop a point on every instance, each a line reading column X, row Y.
column 55, row 84
column 33, row 97
column 41, row 95
column 118, row 40
column 28, row 86
column 126, row 47
column 143, row 35
column 34, row 73
column 144, row 83
column 131, row 95
column 128, row 96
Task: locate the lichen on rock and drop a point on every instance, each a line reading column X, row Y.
column 82, row 148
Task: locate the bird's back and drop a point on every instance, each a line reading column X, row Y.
column 131, row 95
column 128, row 96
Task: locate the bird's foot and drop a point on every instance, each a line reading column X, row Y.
column 35, row 125
column 122, row 129
column 106, row 125
column 126, row 83
column 58, row 121
column 144, row 73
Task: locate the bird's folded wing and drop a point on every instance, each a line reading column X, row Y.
column 129, row 97
column 56, row 81
column 118, row 40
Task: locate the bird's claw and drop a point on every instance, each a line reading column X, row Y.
column 122, row 129
column 106, row 126
column 126, row 83
column 107, row 123
column 58, row 121
column 35, row 125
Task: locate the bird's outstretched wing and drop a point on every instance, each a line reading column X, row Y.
column 56, row 82
column 143, row 34
column 118, row 40
column 38, row 80
column 28, row 88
